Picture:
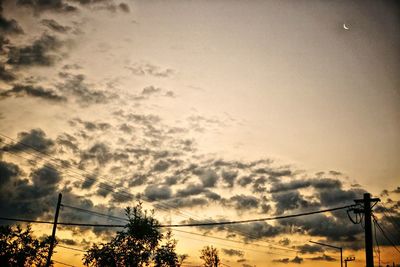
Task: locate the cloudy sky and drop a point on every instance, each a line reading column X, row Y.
column 207, row 111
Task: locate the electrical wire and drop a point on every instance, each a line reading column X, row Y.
column 66, row 264
column 189, row 224
column 384, row 234
column 110, row 188
column 377, row 245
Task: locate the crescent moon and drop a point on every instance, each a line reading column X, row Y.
column 345, row 26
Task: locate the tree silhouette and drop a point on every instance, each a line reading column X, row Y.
column 210, row 256
column 19, row 248
column 137, row 245
column 165, row 255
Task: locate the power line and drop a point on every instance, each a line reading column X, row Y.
column 386, row 212
column 234, row 241
column 225, row 239
column 189, row 224
column 260, row 219
column 384, row 234
column 70, row 248
column 110, row 188
column 106, row 186
column 66, row 264
column 95, row 213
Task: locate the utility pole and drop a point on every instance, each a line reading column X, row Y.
column 367, row 210
column 326, row 245
column 53, row 235
column 348, row 259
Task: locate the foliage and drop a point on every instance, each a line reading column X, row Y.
column 137, row 245
column 19, row 248
column 165, row 255
column 210, row 256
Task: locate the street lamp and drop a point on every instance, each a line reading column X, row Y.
column 348, row 259
column 341, row 250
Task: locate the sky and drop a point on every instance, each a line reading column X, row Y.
column 205, row 110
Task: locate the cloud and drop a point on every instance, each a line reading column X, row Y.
column 19, row 90
column 161, row 166
column 157, row 192
column 190, row 190
column 55, row 26
column 142, row 69
column 233, row 252
column 9, row 26
column 75, row 85
column 311, row 249
column 6, row 75
column 324, row 257
column 24, row 199
column 124, row 7
column 35, row 138
column 150, row 90
column 229, row 177
column 187, row 202
column 47, row 5
column 98, row 152
column 296, row 259
column 39, row 53
column 289, row 201
column 243, row 202
column 208, row 177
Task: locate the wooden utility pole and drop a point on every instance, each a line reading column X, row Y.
column 348, row 259
column 367, row 210
column 53, row 235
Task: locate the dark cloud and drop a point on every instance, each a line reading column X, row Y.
column 289, row 200
column 35, row 138
column 137, row 180
column 90, row 125
column 99, row 153
column 126, row 128
column 68, row 141
column 88, row 182
column 5, row 74
column 208, row 177
column 124, row 7
column 190, row 190
column 296, row 259
column 75, row 85
column 55, row 26
column 324, row 257
column 245, row 180
column 19, row 90
column 229, row 177
column 121, row 197
column 50, row 5
column 68, row 242
column 150, row 69
column 212, row 195
column 259, row 185
column 41, row 52
column 311, row 249
column 335, row 228
column 161, row 166
column 21, row 198
column 157, row 192
column 8, row 26
column 187, row 202
column 243, row 202
column 233, row 252
column 150, row 90
column 256, row 230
